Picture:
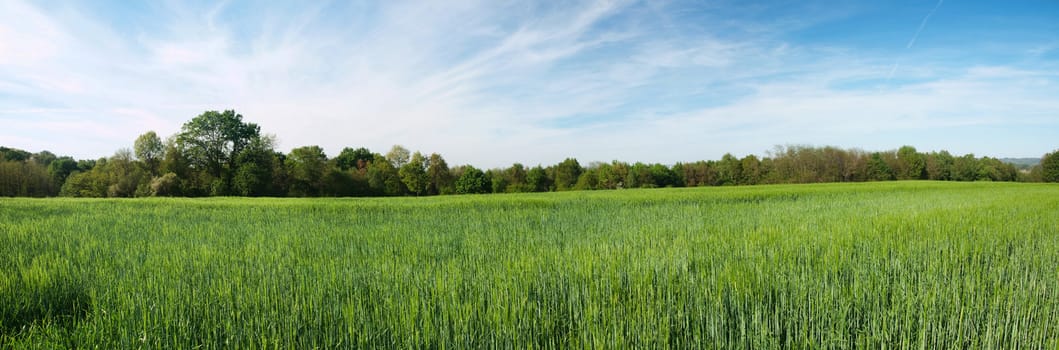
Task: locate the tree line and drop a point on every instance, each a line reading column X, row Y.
column 219, row 154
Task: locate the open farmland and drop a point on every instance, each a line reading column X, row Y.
column 902, row 264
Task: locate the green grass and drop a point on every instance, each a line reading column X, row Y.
column 897, row 265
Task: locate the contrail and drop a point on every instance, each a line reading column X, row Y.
column 923, row 25
column 893, row 69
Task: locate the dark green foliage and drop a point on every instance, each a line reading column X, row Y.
column 307, row 167
column 254, row 172
column 43, row 158
column 414, row 174
column 61, row 168
column 351, row 158
column 13, row 154
column 496, row 180
column 939, row 165
column 730, row 170
column 384, row 179
column 218, row 154
column 211, row 142
column 639, row 177
column 912, row 165
column 566, row 174
column 1050, row 167
column 878, row 169
column 439, row 176
column 472, row 181
column 537, row 180
column 589, row 180
column 965, row 168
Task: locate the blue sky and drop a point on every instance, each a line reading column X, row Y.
column 492, row 82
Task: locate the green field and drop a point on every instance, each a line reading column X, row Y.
column 896, row 264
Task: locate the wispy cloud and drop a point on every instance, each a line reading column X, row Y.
column 923, row 24
column 485, row 82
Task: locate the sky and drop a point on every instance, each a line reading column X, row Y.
column 491, row 83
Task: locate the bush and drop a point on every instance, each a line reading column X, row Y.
column 165, row 185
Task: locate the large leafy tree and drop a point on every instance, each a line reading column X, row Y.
column 383, row 178
column 878, row 169
column 912, row 164
column 307, row 167
column 939, row 165
column 473, row 180
column 414, row 174
column 150, row 149
column 566, row 174
column 730, row 170
column 1050, row 167
column 351, row 158
column 398, row 156
column 537, row 179
column 61, row 168
column 965, row 168
column 439, row 175
column 254, row 174
column 211, row 142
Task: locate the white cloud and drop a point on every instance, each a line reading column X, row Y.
column 480, row 82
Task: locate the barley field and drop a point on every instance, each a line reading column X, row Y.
column 869, row 265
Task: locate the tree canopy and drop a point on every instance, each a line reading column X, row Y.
column 218, row 153
column 211, row 141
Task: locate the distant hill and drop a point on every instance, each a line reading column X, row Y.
column 1022, row 162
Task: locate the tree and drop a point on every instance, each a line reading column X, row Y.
column 589, row 180
column 516, row 178
column 496, row 180
column 566, row 174
column 605, row 177
column 751, row 170
column 255, row 169
column 439, row 175
column 639, row 176
column 912, row 164
column 472, row 181
column 414, row 174
column 149, row 149
column 25, row 178
column 61, row 168
column 43, row 158
column 664, row 176
column 939, row 165
column 383, row 178
column 353, row 158
column 730, row 169
column 211, row 142
column 85, row 184
column 878, row 169
column 174, row 160
column 307, row 166
column 537, row 179
column 965, row 168
column 13, row 154
column 124, row 177
column 398, row 156
column 1050, row 167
